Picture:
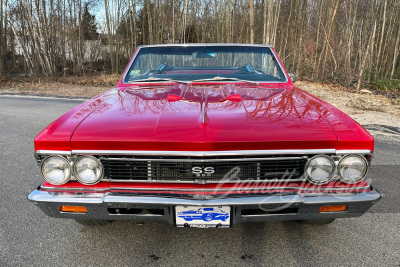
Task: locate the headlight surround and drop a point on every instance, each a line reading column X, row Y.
column 56, row 170
column 352, row 168
column 88, row 170
column 320, row 169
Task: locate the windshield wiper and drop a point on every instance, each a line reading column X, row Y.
column 217, row 78
column 155, row 79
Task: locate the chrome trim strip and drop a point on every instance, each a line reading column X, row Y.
column 208, row 160
column 202, row 182
column 329, row 189
column 54, row 152
column 361, row 151
column 205, row 153
column 44, row 196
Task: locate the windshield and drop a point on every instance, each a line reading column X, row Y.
column 193, row 63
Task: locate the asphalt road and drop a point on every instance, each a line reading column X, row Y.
column 29, row 238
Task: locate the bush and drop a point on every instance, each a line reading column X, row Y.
column 385, row 85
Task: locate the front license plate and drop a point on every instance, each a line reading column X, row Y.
column 203, row 217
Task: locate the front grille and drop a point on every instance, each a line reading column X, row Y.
column 203, row 170
column 211, row 171
column 125, row 170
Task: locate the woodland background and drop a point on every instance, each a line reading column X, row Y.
column 347, row 42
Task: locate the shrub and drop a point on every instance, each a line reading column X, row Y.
column 385, row 85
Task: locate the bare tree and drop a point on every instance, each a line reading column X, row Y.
column 345, row 41
column 252, row 21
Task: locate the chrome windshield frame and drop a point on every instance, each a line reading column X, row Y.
column 208, row 45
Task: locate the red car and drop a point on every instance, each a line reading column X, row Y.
column 204, row 125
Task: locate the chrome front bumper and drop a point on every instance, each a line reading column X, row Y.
column 144, row 208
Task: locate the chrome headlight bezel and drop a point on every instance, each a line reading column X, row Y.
column 331, row 175
column 43, row 164
column 343, row 179
column 76, row 172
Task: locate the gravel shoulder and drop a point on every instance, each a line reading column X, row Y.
column 54, row 89
column 82, row 86
column 379, row 115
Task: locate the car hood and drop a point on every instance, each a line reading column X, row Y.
column 190, row 118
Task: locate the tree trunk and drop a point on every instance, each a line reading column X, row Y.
column 365, row 56
column 109, row 35
column 396, row 53
column 252, row 21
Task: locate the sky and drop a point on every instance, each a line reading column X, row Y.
column 98, row 12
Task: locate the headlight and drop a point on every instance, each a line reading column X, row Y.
column 88, row 170
column 320, row 169
column 56, row 170
column 352, row 168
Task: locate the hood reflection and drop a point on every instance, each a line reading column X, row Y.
column 259, row 103
column 203, row 117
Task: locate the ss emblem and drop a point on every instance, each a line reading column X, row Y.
column 203, row 171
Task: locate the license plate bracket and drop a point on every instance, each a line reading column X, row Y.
column 203, row 217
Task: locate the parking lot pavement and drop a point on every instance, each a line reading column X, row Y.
column 29, row 238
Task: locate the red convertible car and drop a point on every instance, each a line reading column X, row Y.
column 204, row 126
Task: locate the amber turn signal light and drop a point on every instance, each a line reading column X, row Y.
column 74, row 209
column 333, row 208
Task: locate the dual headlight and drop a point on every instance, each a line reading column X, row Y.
column 58, row 170
column 350, row 169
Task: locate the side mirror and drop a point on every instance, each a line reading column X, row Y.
column 292, row 77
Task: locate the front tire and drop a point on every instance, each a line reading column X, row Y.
column 318, row 221
column 93, row 222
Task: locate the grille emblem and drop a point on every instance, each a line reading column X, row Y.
column 203, row 171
